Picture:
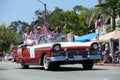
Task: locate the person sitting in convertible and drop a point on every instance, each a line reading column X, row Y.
column 70, row 37
column 28, row 37
column 37, row 34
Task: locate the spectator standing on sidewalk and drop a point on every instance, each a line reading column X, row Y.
column 106, row 55
column 0, row 56
column 116, row 55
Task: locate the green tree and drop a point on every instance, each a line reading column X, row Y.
column 57, row 10
column 85, row 14
column 61, row 18
column 19, row 27
column 118, row 7
column 79, row 8
column 7, row 36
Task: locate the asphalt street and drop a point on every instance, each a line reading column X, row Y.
column 12, row 71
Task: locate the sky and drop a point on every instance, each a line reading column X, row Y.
column 24, row 10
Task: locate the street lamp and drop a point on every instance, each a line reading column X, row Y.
column 44, row 10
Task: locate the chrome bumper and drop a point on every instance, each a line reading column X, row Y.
column 75, row 56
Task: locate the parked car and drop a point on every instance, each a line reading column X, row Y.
column 53, row 53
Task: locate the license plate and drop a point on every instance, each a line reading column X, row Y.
column 77, row 57
column 85, row 56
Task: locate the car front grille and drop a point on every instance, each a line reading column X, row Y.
column 71, row 54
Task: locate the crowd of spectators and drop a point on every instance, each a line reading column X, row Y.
column 6, row 56
column 108, row 57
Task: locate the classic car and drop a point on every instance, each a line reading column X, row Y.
column 53, row 53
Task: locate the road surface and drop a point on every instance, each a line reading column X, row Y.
column 12, row 71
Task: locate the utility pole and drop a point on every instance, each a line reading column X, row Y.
column 44, row 10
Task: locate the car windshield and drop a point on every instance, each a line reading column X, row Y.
column 57, row 38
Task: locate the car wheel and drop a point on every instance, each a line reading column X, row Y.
column 23, row 66
column 88, row 64
column 56, row 66
column 47, row 65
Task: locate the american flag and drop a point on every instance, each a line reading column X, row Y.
column 98, row 23
column 51, row 36
column 89, row 21
column 71, row 34
column 65, row 26
column 97, row 37
column 11, row 46
column 46, row 28
column 39, row 14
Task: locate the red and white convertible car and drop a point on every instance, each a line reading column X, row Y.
column 52, row 54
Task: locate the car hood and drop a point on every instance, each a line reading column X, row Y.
column 63, row 44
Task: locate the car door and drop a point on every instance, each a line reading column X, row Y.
column 26, row 55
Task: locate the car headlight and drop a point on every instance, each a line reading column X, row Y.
column 57, row 47
column 95, row 46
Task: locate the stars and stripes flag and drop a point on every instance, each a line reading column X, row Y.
column 98, row 23
column 70, row 34
column 89, row 21
column 46, row 28
column 39, row 14
column 70, row 37
column 97, row 37
column 65, row 26
column 51, row 36
column 11, row 46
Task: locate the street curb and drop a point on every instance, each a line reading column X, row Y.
column 108, row 64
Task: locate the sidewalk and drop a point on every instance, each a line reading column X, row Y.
column 109, row 64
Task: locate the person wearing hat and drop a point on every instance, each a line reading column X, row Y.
column 37, row 34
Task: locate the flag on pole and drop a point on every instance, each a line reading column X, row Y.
column 51, row 36
column 96, row 24
column 65, row 26
column 39, row 14
column 89, row 21
column 97, row 37
column 11, row 46
column 70, row 37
